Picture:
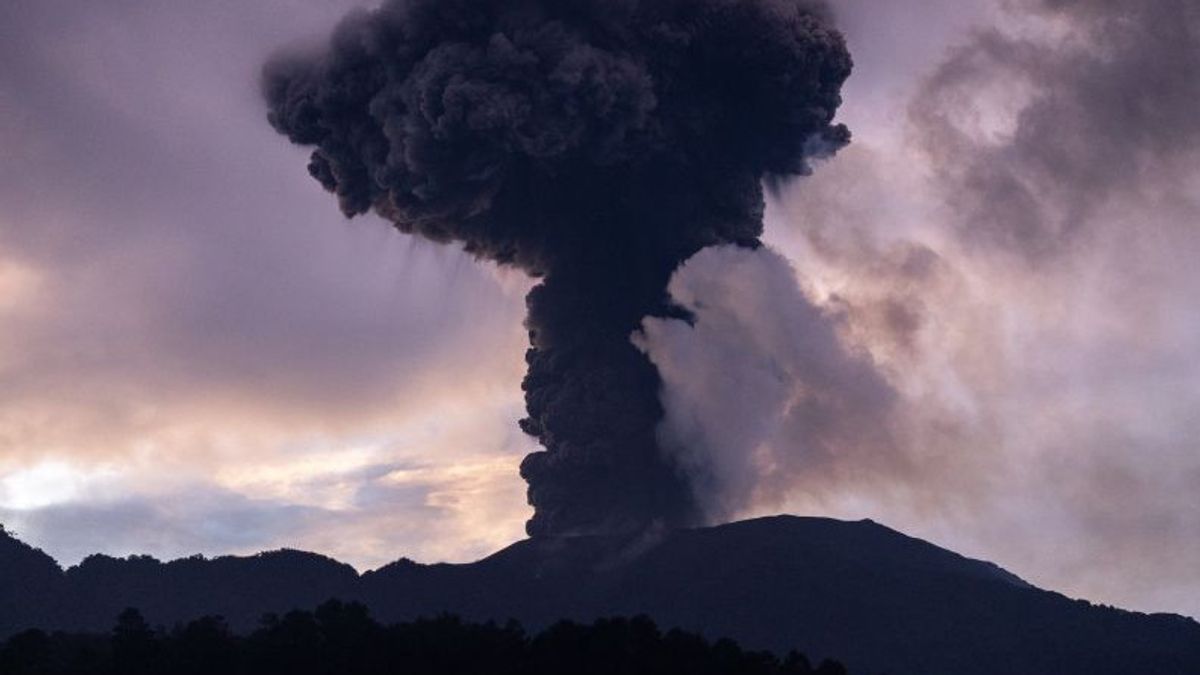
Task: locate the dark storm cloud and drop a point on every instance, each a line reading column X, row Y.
column 1106, row 110
column 594, row 145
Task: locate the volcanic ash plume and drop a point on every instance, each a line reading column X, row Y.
column 595, row 144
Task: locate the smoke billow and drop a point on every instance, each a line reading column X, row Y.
column 762, row 394
column 594, row 144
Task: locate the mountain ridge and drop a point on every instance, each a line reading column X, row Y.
column 856, row 591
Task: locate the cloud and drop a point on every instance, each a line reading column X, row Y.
column 1015, row 260
column 182, row 309
column 367, row 514
column 1033, row 130
column 151, row 280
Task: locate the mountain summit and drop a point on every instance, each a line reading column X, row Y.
column 871, row 597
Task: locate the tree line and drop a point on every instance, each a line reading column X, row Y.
column 341, row 638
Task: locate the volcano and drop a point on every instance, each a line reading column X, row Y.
column 875, row 599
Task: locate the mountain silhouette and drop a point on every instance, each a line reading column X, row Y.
column 868, row 596
column 29, row 583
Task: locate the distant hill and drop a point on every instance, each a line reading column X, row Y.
column 875, row 599
column 29, row 585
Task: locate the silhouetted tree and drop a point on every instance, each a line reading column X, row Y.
column 204, row 646
column 134, row 644
column 26, row 652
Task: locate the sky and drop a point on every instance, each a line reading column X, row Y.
column 984, row 306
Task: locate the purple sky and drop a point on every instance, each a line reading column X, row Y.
column 199, row 354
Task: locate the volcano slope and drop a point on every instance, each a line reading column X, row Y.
column 859, row 592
